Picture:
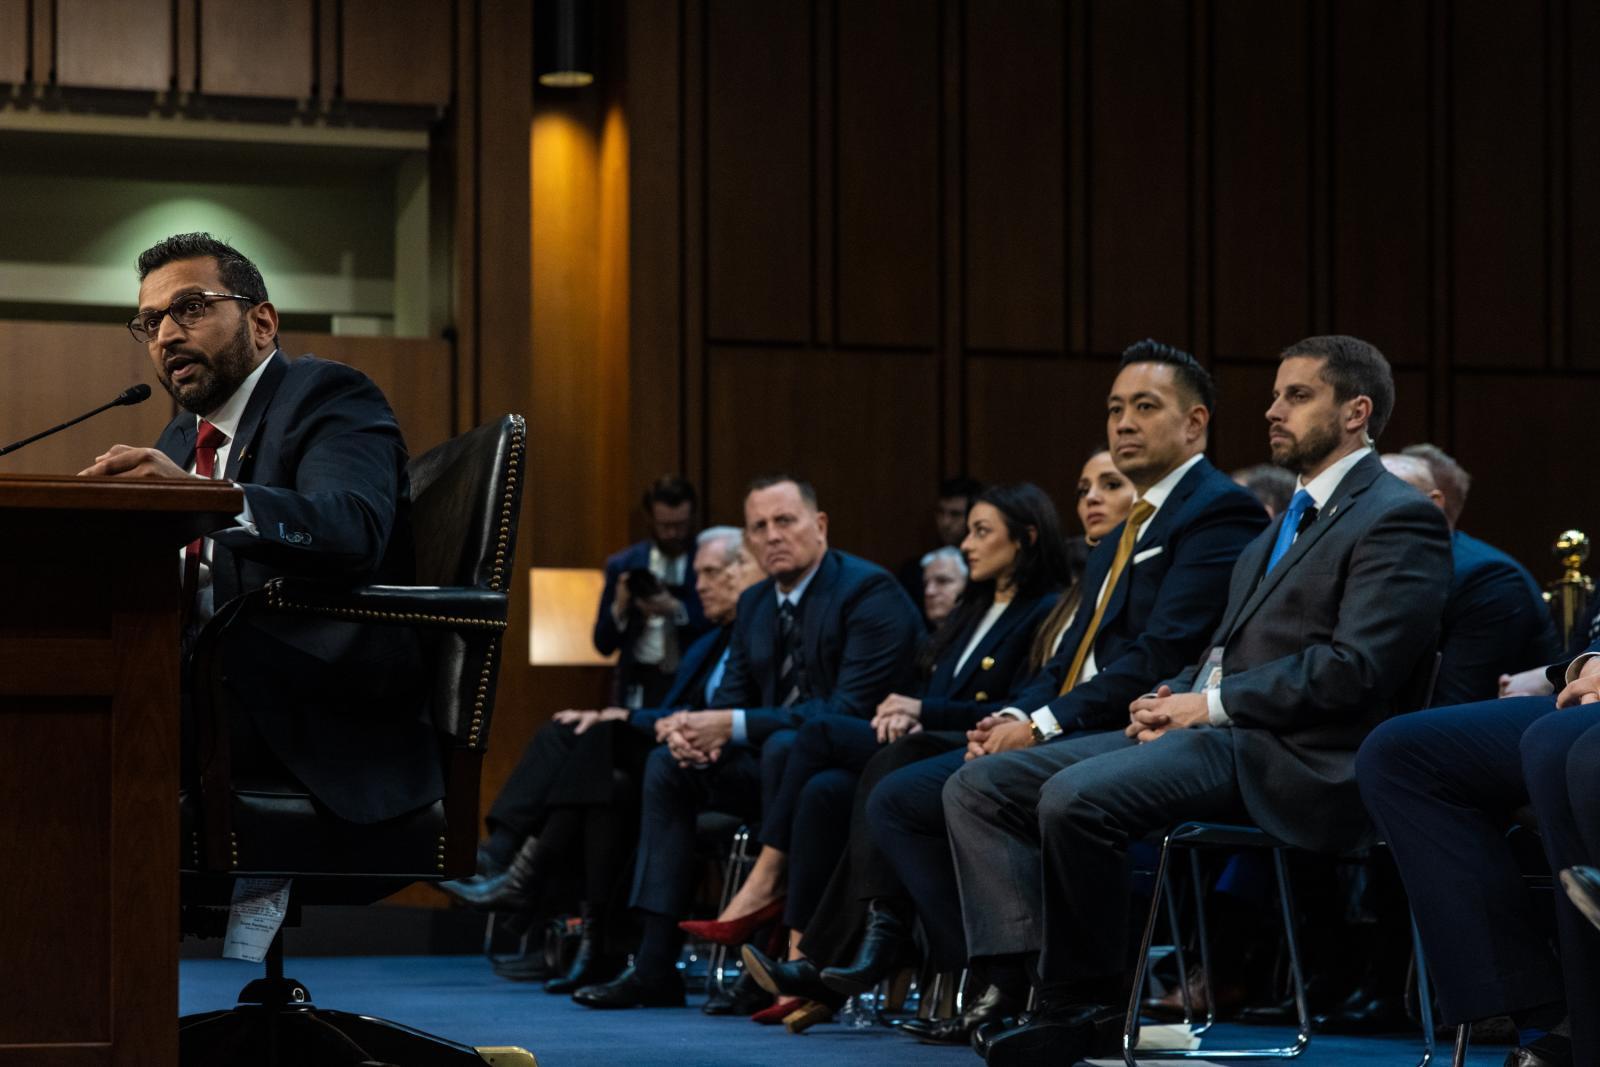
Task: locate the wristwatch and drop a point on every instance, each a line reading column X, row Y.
column 1039, row 735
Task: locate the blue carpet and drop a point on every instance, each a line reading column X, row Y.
column 457, row 997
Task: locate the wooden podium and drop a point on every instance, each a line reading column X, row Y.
column 89, row 626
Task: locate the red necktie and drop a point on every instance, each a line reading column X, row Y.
column 206, row 443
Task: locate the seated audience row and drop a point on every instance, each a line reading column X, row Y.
column 1218, row 655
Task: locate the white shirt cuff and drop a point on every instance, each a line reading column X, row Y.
column 1214, row 709
column 1576, row 666
column 1045, row 720
column 740, row 735
column 1013, row 713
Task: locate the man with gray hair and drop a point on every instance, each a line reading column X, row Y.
column 1495, row 621
column 571, row 763
column 944, row 577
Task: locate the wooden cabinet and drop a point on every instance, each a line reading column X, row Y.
column 256, row 48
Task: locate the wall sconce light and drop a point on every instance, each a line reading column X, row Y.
column 562, row 617
column 564, row 43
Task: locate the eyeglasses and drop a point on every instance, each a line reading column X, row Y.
column 186, row 311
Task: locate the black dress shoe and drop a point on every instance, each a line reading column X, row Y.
column 885, row 938
column 630, row 989
column 589, row 967
column 1551, row 1050
column 512, row 889
column 1054, row 1035
column 1583, row 889
column 1367, row 1011
column 744, row 997
column 789, row 978
column 990, row 1007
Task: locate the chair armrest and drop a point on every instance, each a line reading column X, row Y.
column 446, row 607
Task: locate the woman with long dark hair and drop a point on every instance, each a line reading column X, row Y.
column 1018, row 565
column 862, row 921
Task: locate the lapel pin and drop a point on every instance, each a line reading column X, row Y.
column 987, row 662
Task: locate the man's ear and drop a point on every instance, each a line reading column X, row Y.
column 1360, row 413
column 263, row 319
column 822, row 522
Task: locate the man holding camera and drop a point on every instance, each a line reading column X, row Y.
column 649, row 609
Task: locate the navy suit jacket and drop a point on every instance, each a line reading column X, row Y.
column 689, row 686
column 1163, row 611
column 859, row 635
column 956, row 700
column 322, row 463
column 608, row 638
column 1495, row 622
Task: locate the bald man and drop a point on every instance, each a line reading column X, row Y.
column 1495, row 621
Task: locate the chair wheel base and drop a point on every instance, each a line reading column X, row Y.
column 301, row 1035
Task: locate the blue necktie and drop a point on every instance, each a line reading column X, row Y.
column 1291, row 526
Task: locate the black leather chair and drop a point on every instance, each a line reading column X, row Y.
column 465, row 503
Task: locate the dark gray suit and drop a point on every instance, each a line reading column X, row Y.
column 1314, row 654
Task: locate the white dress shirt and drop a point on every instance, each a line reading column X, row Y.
column 225, row 418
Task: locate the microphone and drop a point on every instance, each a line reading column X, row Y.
column 134, row 394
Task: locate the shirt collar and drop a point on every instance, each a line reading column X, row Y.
column 1157, row 494
column 1322, row 486
column 793, row 596
column 226, row 418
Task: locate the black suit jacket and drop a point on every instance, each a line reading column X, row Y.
column 1163, row 610
column 689, row 685
column 1318, row 651
column 1495, row 622
column 956, row 700
column 859, row 634
column 323, row 468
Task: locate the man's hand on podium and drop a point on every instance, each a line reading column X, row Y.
column 128, row 462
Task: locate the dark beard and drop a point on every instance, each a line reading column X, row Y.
column 228, row 368
column 1306, row 452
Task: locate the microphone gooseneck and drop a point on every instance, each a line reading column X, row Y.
column 132, row 395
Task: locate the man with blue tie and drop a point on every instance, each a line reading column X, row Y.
column 1329, row 612
column 826, row 634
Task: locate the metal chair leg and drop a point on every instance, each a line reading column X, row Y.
column 732, row 876
column 1141, row 962
column 1424, row 995
column 1286, row 898
column 1205, row 943
column 1463, row 1039
column 1176, row 929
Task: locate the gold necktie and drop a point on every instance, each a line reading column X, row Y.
column 1142, row 510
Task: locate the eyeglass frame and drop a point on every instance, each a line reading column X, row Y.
column 136, row 323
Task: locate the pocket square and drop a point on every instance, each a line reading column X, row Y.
column 1140, row 557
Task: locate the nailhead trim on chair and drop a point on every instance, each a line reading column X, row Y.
column 277, row 602
column 513, row 462
column 481, row 698
column 439, row 854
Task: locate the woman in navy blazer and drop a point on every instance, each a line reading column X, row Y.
column 1019, row 563
column 937, row 722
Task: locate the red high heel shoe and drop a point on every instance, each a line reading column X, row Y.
column 733, row 931
column 778, row 1011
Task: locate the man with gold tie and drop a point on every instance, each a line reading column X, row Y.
column 1328, row 613
column 1152, row 593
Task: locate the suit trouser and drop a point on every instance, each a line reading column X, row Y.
column 663, row 874
column 811, row 803
column 1442, row 786
column 1041, row 837
column 562, row 768
column 907, row 823
column 864, row 873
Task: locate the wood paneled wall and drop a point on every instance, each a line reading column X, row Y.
column 887, row 240
column 355, row 51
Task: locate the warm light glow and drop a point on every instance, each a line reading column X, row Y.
column 566, row 79
column 563, row 602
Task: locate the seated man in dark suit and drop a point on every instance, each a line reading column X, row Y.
column 1153, row 591
column 1443, row 786
column 1328, row 614
column 1495, row 621
column 648, row 608
column 572, row 800
column 825, row 634
column 322, row 464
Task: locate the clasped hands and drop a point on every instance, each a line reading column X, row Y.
column 1584, row 689
column 695, row 738
column 1154, row 714
column 897, row 716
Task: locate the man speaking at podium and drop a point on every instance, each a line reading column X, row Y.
column 319, row 456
